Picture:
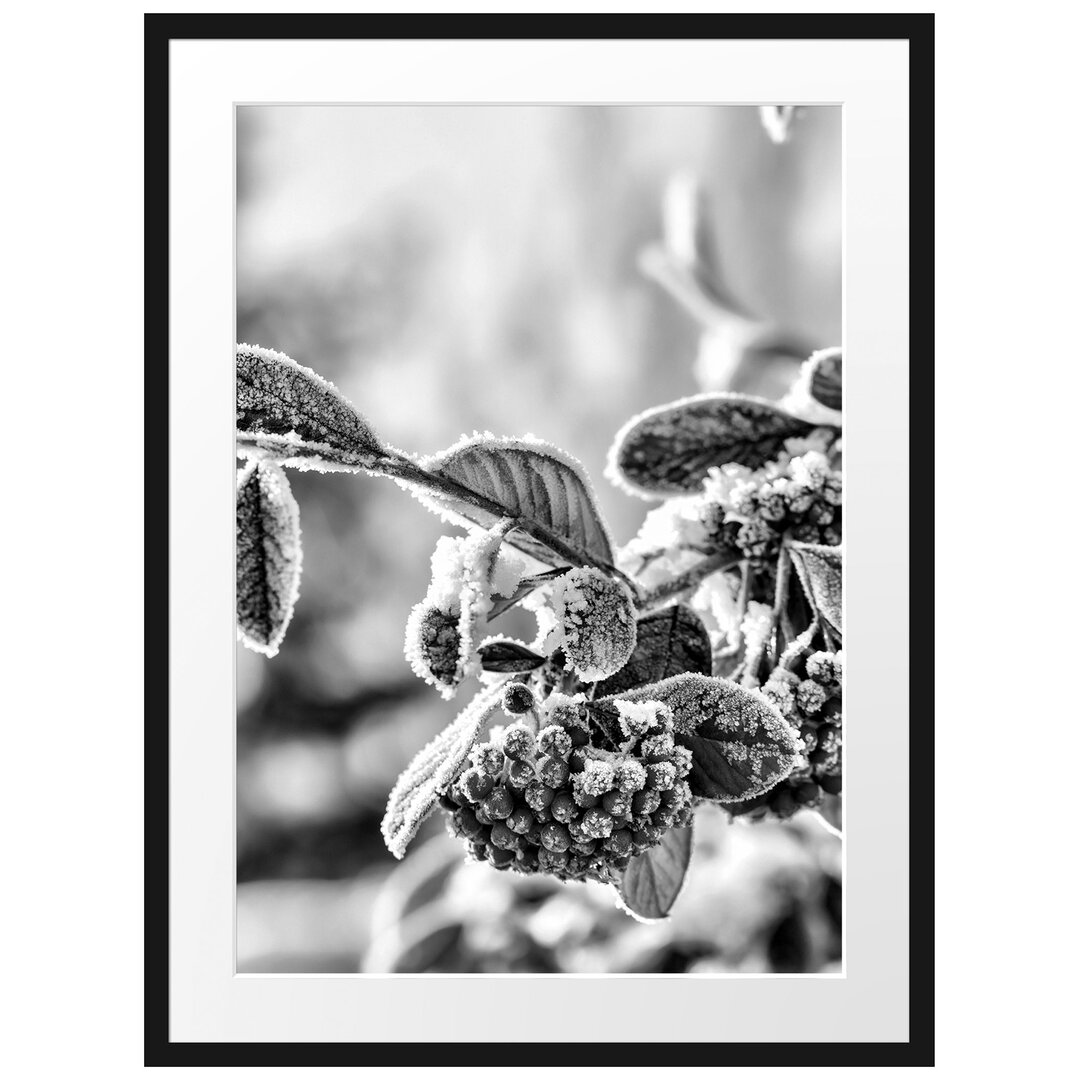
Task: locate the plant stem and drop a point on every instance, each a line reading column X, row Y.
column 727, row 559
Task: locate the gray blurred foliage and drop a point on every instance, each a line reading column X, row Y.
column 477, row 268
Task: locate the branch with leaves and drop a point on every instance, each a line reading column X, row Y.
column 698, row 663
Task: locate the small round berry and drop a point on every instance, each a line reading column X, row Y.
column 584, row 799
column 832, row 784
column 554, row 741
column 500, row 858
column 555, row 837
column 617, row 803
column 630, row 775
column 476, row 784
column 563, row 807
column 783, row 802
column 619, row 842
column 518, row 741
column 470, row 824
column 538, row 795
column 810, row 697
column 517, row 698
column 661, row 776
column 808, row 734
column 646, row 836
column 657, row 747
column 807, row 793
column 487, row 757
column 502, row 836
column 645, row 802
column 553, row 772
column 663, row 817
column 597, row 823
column 586, row 846
column 520, row 774
column 498, row 804
column 820, row 756
column 576, row 761
column 552, row 860
column 521, row 820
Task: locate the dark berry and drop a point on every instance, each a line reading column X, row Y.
column 502, row 836
column 585, row 799
column 500, row 858
column 617, row 803
column 807, row 793
column 553, row 771
column 661, row 775
column 619, row 842
column 577, row 761
column 521, row 819
column 476, row 784
column 552, row 860
column 517, row 698
column 563, row 807
column 555, row 837
column 538, row 795
column 783, row 802
column 645, row 802
column 498, row 804
column 520, row 774
column 597, row 823
column 518, row 742
column 554, row 741
column 833, row 785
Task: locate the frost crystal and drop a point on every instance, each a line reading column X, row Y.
column 636, row 718
column 597, row 625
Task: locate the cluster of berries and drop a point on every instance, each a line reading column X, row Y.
column 802, row 499
column 814, row 704
column 558, row 802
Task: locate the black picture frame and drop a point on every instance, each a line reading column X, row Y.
column 159, row 31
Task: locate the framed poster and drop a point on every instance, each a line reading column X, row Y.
column 514, row 708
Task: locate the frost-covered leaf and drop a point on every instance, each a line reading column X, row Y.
column 267, row 556
column 669, row 642
column 821, row 572
column 292, row 413
column 826, row 370
column 508, row 656
column 741, row 744
column 432, row 771
column 653, row 880
column 669, row 450
column 545, row 490
column 527, row 585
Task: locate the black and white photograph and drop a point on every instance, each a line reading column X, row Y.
column 539, row 539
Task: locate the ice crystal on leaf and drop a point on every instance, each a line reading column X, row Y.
column 267, row 556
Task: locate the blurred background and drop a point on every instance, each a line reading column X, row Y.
column 454, row 269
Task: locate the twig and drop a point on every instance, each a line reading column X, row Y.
column 727, row 559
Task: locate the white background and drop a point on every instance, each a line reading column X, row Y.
column 1006, row 285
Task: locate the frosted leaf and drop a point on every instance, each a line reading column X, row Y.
column 669, row 642
column 432, row 771
column 441, row 631
column 268, row 556
column 821, row 573
column 777, row 121
column 652, row 882
column 544, row 490
column 292, row 413
column 670, row 449
column 741, row 745
column 507, row 656
column 502, row 601
column 817, row 393
column 596, row 620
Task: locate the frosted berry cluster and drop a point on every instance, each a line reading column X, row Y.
column 801, row 497
column 571, row 799
column 812, row 702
